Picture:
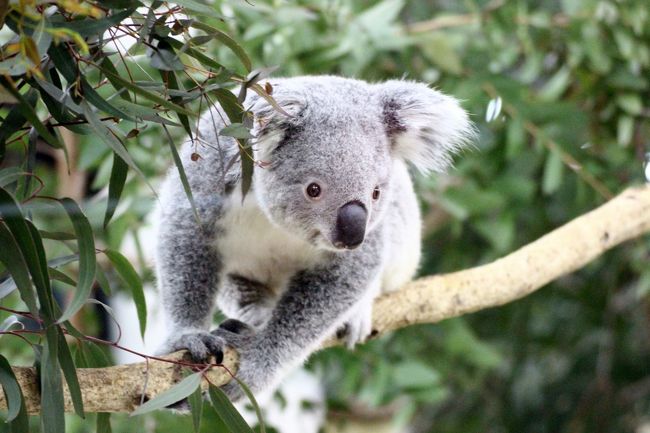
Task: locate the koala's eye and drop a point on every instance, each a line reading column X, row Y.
column 313, row 190
column 376, row 193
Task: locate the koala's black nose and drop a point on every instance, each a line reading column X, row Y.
column 350, row 225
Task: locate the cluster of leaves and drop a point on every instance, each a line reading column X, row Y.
column 76, row 65
column 566, row 84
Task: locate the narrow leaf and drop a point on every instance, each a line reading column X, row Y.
column 196, row 408
column 227, row 412
column 29, row 113
column 87, row 261
column 132, row 280
column 110, row 139
column 104, row 423
column 108, row 65
column 182, row 175
column 174, row 394
column 52, row 409
column 12, row 258
column 13, row 393
column 235, row 130
column 145, row 93
column 92, row 27
column 31, row 247
column 115, row 186
column 55, row 274
column 94, row 98
column 225, row 39
column 70, row 374
column 100, row 276
column 253, row 402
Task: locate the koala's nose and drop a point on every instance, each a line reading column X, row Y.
column 350, row 225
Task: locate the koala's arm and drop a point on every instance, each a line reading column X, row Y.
column 188, row 265
column 317, row 301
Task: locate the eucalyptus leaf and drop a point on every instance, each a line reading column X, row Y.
column 227, row 412
column 87, row 261
column 174, row 394
column 132, row 280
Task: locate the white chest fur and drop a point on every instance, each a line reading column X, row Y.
column 252, row 247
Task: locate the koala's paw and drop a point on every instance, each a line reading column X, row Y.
column 201, row 345
column 357, row 328
column 251, row 370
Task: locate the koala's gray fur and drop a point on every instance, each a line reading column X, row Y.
column 271, row 260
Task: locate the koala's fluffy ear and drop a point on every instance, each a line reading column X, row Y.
column 271, row 126
column 425, row 127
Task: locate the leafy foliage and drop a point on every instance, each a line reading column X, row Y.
column 558, row 88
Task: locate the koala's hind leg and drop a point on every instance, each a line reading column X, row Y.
column 247, row 300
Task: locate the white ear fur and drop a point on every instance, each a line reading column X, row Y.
column 270, row 125
column 426, row 126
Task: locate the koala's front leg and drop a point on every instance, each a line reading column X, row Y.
column 188, row 274
column 315, row 304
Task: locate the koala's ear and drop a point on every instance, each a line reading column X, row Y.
column 274, row 122
column 426, row 127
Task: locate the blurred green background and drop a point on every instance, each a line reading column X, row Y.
column 572, row 80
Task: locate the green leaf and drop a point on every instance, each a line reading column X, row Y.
column 70, row 373
column 253, row 402
column 247, row 167
column 100, row 276
column 55, row 274
column 236, row 130
column 196, row 408
column 630, row 102
column 40, row 276
column 108, row 65
column 31, row 246
column 198, row 55
column 227, row 41
column 52, row 408
column 115, row 186
column 164, row 58
column 132, row 280
column 227, row 412
column 172, row 82
column 230, row 105
column 12, row 391
column 104, row 422
column 87, row 260
column 107, row 136
column 12, row 258
column 174, row 394
column 95, row 99
column 144, row 93
column 415, row 374
column 182, row 175
column 196, row 6
column 57, row 236
column 29, row 113
column 553, row 171
column 92, row 27
column 624, row 130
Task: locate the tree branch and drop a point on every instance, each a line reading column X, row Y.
column 426, row 300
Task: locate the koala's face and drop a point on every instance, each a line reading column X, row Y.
column 326, row 166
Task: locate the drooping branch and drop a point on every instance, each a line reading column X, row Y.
column 426, row 300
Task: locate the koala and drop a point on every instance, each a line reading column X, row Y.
column 330, row 222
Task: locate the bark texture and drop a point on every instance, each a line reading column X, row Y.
column 426, row 300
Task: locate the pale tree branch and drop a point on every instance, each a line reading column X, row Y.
column 426, row 300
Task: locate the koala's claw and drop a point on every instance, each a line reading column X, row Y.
column 201, row 345
column 357, row 329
